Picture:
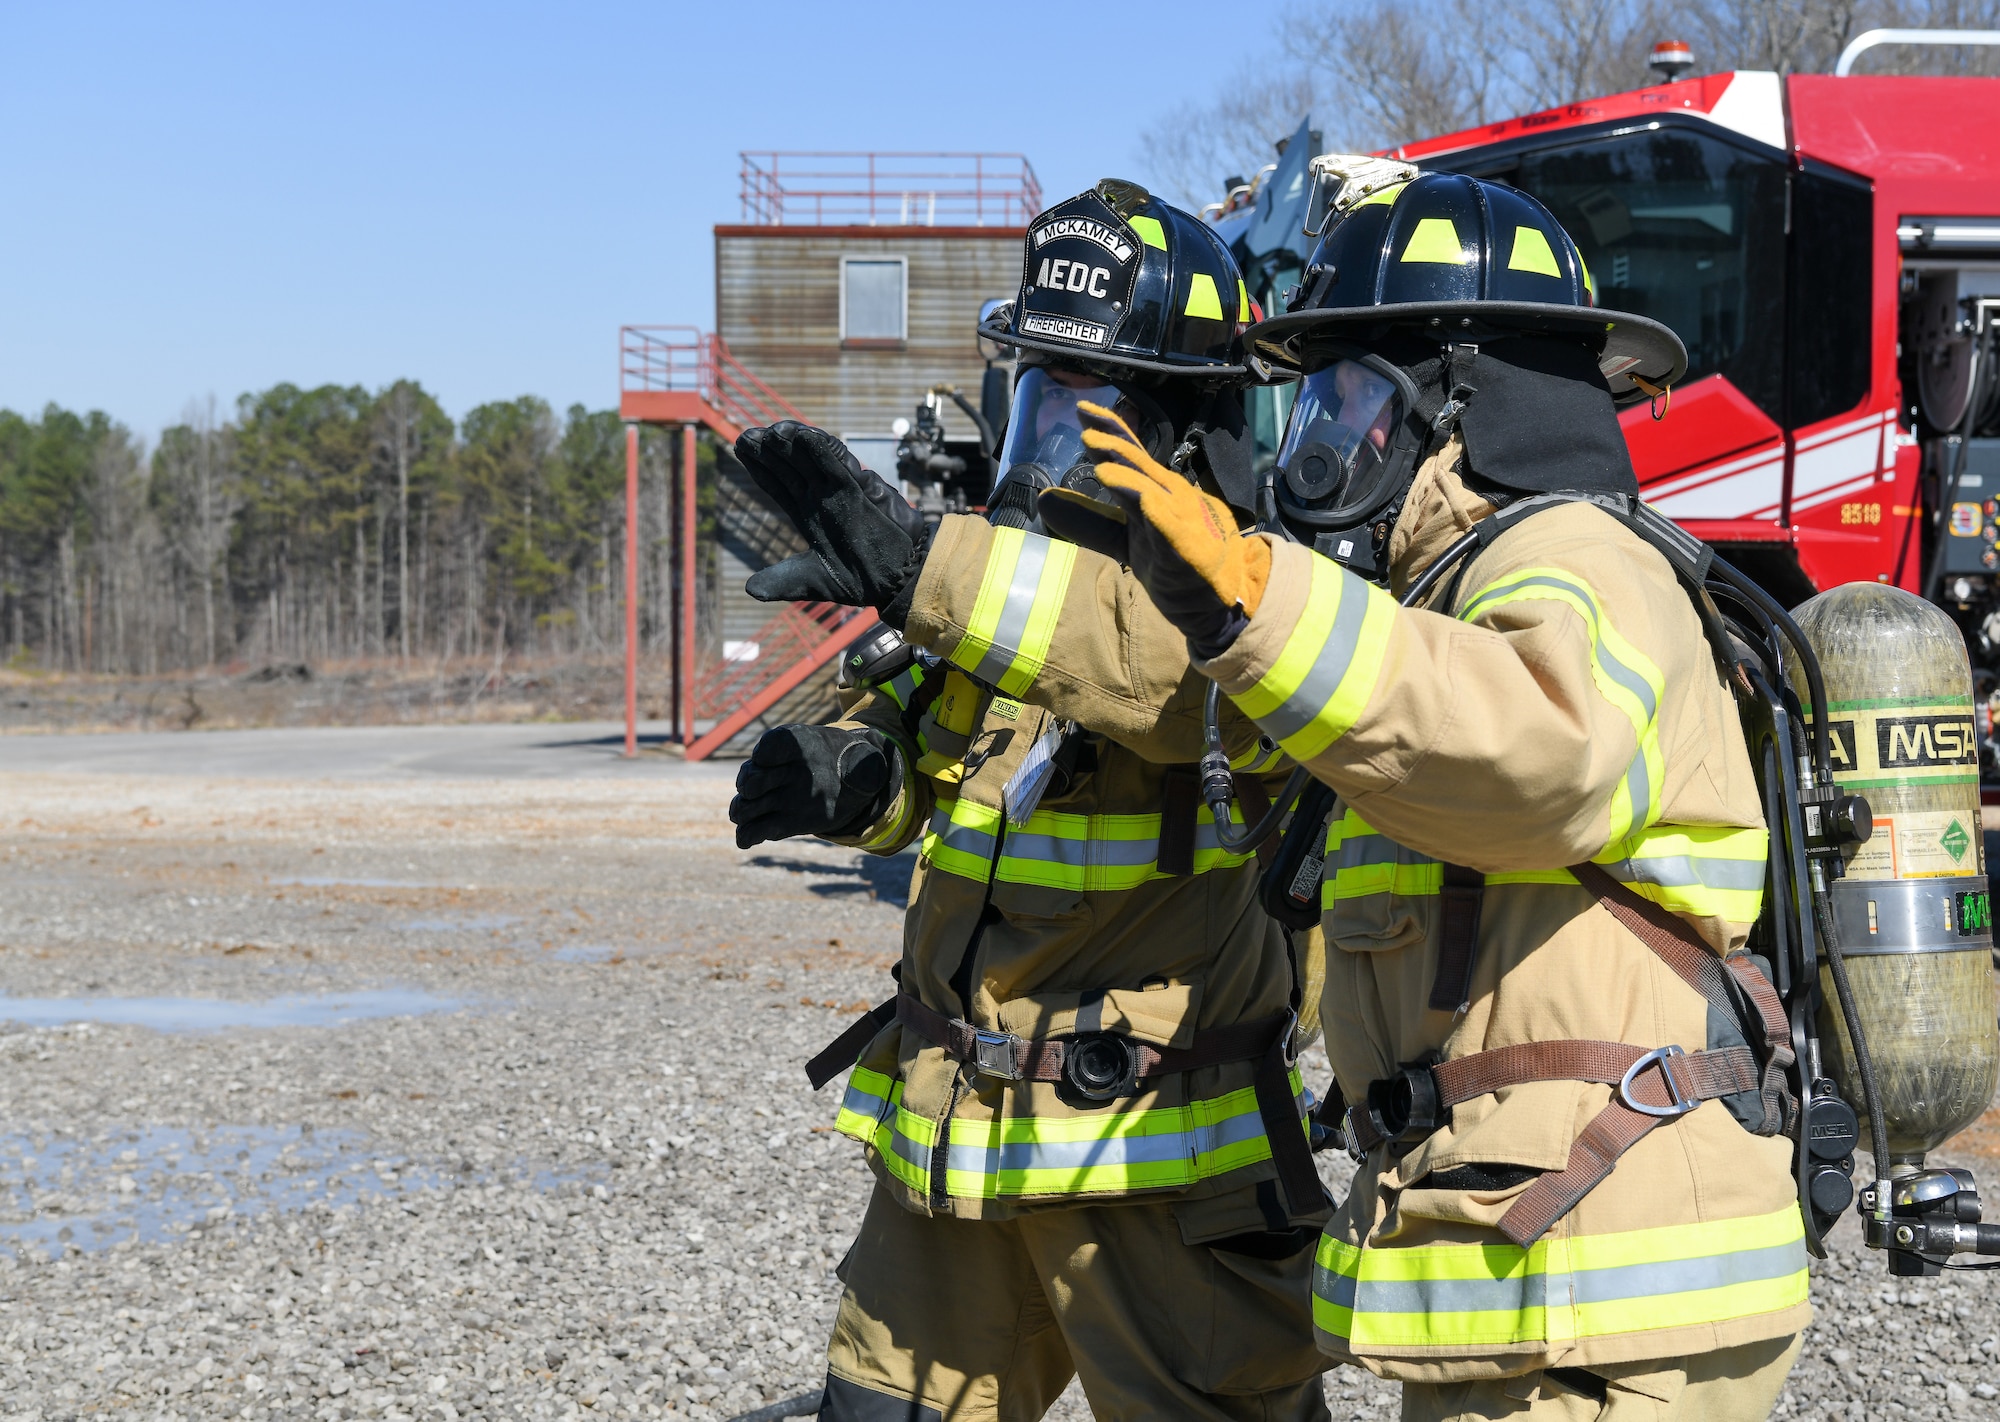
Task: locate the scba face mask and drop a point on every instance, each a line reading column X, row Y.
column 1043, row 447
column 1350, row 450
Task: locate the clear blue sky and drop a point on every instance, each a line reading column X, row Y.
column 208, row 199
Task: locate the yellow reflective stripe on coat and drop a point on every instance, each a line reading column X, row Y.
column 962, row 838
column 902, row 686
column 906, row 802
column 1260, row 757
column 1558, row 1290
column 1359, row 863
column 1703, row 871
column 1014, row 617
column 1624, row 675
column 1320, row 684
column 1059, row 850
column 872, row 1112
column 1162, row 1147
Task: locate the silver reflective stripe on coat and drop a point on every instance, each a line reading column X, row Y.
column 1330, row 664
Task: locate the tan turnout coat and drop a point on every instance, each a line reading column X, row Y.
column 1556, row 703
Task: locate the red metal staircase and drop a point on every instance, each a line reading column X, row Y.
column 681, row 376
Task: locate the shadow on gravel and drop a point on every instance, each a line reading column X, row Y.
column 886, row 879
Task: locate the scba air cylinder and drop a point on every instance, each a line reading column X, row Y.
column 1912, row 909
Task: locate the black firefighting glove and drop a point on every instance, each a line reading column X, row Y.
column 864, row 543
column 825, row 780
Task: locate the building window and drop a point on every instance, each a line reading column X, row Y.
column 874, row 300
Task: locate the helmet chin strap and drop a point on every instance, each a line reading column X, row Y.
column 1459, row 387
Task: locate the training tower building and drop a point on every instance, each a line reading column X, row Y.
column 849, row 286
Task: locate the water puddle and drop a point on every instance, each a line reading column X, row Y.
column 467, row 923
column 204, row 1014
column 317, row 881
column 152, row 1183
column 584, row 953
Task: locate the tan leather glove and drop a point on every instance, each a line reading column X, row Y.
column 1183, row 545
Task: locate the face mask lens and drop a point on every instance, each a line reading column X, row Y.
column 1339, row 433
column 1043, row 427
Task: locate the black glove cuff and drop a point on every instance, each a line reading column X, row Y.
column 897, row 612
column 1211, row 641
column 870, row 743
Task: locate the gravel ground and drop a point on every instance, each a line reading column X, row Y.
column 480, row 1119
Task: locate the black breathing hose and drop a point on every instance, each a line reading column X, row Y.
column 1822, row 758
column 1864, row 1061
column 1218, row 784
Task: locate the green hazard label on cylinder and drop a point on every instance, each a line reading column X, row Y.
column 1877, row 743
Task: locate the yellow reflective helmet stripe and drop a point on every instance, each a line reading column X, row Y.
column 1435, row 240
column 1385, row 198
column 1559, row 1290
column 1624, row 676
column 1532, row 253
column 1242, row 301
column 1320, row 684
column 1150, row 232
column 1203, row 300
column 1013, row 620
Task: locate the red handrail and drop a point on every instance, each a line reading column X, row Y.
column 688, row 359
column 880, row 189
column 799, row 638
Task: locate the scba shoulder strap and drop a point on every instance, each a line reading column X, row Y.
column 1733, row 987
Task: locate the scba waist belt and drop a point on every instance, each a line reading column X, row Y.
column 1103, row 1066
column 1100, row 1065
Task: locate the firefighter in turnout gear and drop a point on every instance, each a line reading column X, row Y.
column 1080, row 1107
column 1561, row 1077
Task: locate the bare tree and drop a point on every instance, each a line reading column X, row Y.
column 197, row 504
column 1376, row 73
column 399, row 435
column 1399, row 70
column 1191, row 155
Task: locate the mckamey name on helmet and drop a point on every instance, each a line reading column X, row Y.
column 1065, row 328
column 1109, row 238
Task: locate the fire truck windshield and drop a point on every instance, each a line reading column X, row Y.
column 1681, row 227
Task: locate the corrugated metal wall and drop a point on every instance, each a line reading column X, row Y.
column 777, row 305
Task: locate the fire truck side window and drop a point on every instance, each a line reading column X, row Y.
column 1685, row 229
column 1832, row 292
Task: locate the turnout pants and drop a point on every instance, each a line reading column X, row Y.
column 945, row 1318
column 1738, row 1384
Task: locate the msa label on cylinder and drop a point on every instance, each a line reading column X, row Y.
column 1902, row 745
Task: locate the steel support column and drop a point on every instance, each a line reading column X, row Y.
column 631, row 589
column 684, row 677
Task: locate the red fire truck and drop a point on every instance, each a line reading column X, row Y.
column 1829, row 250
